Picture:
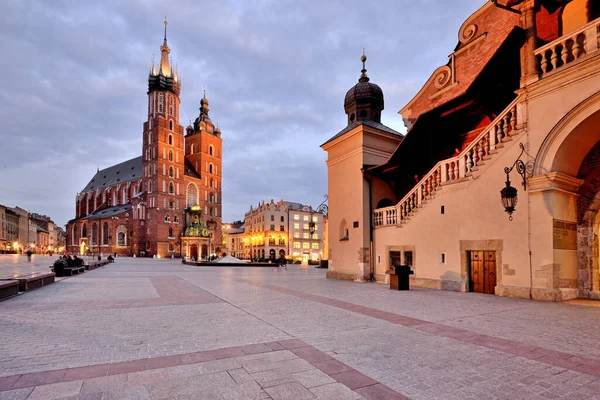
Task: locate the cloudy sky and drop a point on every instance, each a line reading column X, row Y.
column 74, row 80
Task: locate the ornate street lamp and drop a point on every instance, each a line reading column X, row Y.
column 508, row 194
column 322, row 208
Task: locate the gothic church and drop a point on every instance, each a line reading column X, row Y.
column 166, row 202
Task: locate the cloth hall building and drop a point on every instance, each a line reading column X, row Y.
column 166, row 202
column 513, row 115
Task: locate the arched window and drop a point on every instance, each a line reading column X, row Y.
column 74, row 235
column 211, row 182
column 344, row 234
column 94, row 233
column 211, row 198
column 171, row 235
column 84, row 231
column 210, row 150
column 171, row 249
column 149, row 138
column 210, row 168
column 121, row 239
column 171, row 188
column 191, row 195
column 170, row 155
column 176, row 220
column 167, row 219
column 171, row 128
column 161, row 102
column 192, row 148
column 105, row 234
column 171, row 174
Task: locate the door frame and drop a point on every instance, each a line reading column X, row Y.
column 466, row 246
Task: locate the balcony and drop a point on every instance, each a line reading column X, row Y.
column 569, row 49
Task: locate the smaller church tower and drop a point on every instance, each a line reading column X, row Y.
column 203, row 152
column 163, row 157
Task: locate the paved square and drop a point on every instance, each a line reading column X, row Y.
column 157, row 329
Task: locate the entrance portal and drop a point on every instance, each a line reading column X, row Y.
column 482, row 271
column 194, row 251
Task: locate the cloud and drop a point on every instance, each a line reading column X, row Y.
column 74, row 80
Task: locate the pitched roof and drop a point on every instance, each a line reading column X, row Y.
column 372, row 124
column 106, row 212
column 119, row 173
column 40, row 229
column 189, row 169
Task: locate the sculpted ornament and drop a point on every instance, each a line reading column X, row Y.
column 442, row 77
column 467, row 34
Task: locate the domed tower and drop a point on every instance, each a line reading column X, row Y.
column 364, row 101
column 363, row 143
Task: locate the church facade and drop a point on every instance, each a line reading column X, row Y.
column 495, row 188
column 166, row 202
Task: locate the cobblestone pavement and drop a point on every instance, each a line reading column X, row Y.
column 154, row 329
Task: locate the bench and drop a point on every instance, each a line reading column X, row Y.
column 34, row 281
column 8, row 288
column 69, row 271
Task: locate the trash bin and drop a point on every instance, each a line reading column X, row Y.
column 399, row 277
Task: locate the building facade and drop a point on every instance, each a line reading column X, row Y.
column 167, row 202
column 521, row 85
column 233, row 239
column 283, row 229
column 3, row 229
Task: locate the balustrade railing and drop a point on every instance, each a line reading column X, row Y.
column 569, row 48
column 452, row 169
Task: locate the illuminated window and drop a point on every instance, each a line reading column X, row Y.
column 305, row 235
column 315, row 218
column 121, row 239
column 296, row 245
column 305, row 226
column 296, row 235
column 306, row 245
column 296, row 225
column 315, row 246
column 315, row 236
column 296, row 217
column 306, row 218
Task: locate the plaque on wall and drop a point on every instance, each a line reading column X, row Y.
column 564, row 235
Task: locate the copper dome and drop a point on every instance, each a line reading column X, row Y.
column 364, row 90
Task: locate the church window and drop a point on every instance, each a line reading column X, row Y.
column 171, row 172
column 150, row 125
column 192, row 195
column 171, row 188
column 211, row 198
column 171, row 136
column 121, row 239
column 161, row 102
column 170, row 155
column 210, row 150
column 171, row 234
column 176, row 220
column 211, row 182
column 74, row 235
column 171, row 205
column 171, row 107
column 210, row 168
column 105, row 234
column 167, row 219
column 84, row 231
column 94, row 233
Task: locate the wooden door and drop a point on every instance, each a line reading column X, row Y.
column 489, row 271
column 482, row 271
column 477, row 274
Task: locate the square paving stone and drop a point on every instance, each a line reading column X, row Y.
column 56, row 390
column 290, row 391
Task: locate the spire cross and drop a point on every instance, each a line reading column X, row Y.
column 204, row 91
column 363, row 75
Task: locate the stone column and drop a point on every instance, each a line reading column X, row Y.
column 529, row 70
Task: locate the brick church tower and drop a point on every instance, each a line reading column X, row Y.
column 163, row 157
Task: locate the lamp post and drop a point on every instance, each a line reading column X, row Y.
column 508, row 194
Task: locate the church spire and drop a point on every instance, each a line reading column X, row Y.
column 165, row 68
column 363, row 72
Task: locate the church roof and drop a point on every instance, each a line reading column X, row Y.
column 372, row 124
column 189, row 170
column 106, row 212
column 123, row 172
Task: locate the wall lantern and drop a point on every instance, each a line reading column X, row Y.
column 508, row 194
